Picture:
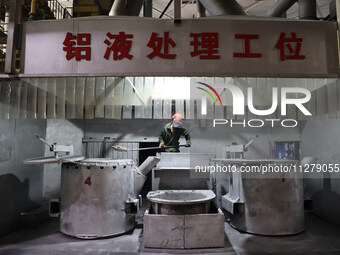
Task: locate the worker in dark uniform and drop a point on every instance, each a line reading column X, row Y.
column 172, row 132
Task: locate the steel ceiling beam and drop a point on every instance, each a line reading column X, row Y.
column 307, row 9
column 126, row 8
column 280, row 8
column 166, row 8
column 223, row 7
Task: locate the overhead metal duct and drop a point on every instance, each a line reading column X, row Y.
column 126, row 8
column 307, row 9
column 280, row 8
column 200, row 10
column 223, row 7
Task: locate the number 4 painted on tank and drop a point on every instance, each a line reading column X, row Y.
column 88, row 181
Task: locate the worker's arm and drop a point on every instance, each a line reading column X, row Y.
column 187, row 137
column 161, row 138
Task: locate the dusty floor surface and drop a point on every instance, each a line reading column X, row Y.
column 320, row 237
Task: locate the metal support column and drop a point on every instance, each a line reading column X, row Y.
column 307, row 9
column 200, row 10
column 12, row 36
column 147, row 9
column 280, row 7
column 337, row 2
column 178, row 7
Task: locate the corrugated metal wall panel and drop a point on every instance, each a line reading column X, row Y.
column 80, row 97
column 100, row 97
column 23, row 100
column 51, row 98
column 198, row 101
column 32, row 92
column 301, row 116
column 211, row 105
column 219, row 110
column 243, row 85
column 15, row 99
column 129, row 97
column 90, row 86
column 321, row 106
column 5, row 99
column 42, row 98
column 116, row 97
column 71, row 98
column 291, row 109
column 332, row 99
column 167, row 102
column 148, row 88
column 167, row 109
column 252, row 82
column 61, row 98
column 157, row 99
column 311, row 105
column 189, row 109
column 109, row 97
column 179, row 106
column 139, row 108
column 271, row 83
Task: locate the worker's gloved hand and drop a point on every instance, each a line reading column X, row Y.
column 161, row 145
column 188, row 144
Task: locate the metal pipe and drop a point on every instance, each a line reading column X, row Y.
column 223, row 7
column 148, row 164
column 165, row 9
column 200, row 10
column 177, row 14
column 307, row 9
column 280, row 8
column 147, row 10
column 33, row 12
column 126, row 8
column 12, row 36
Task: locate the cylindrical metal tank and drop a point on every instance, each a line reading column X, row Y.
column 265, row 203
column 94, row 193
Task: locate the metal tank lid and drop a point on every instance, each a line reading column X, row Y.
column 255, row 161
column 180, row 197
column 105, row 162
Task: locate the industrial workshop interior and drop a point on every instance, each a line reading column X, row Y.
column 169, row 127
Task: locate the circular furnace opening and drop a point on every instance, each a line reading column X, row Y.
column 181, row 201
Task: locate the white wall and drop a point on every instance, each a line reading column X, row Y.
column 20, row 185
column 62, row 132
column 322, row 140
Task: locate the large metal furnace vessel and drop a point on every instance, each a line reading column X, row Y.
column 265, row 203
column 98, row 197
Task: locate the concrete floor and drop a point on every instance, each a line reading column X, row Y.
column 320, row 237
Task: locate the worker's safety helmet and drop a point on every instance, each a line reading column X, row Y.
column 177, row 120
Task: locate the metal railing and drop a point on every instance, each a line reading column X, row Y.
column 58, row 10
